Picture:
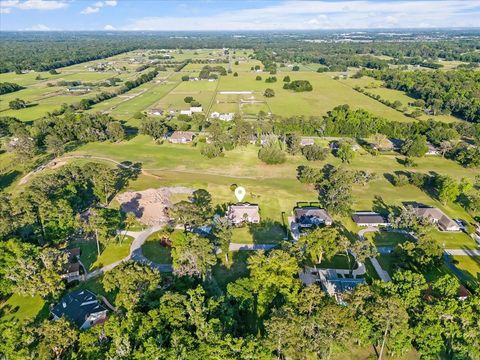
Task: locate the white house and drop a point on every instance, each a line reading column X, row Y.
column 196, row 109
column 186, row 112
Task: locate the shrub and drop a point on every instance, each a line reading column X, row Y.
column 271, row 154
column 298, row 85
column 314, row 152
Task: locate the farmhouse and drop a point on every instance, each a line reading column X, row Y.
column 369, row 218
column 155, row 112
column 181, row 137
column 79, row 89
column 388, row 145
column 305, row 141
column 196, row 109
column 222, row 116
column 240, row 213
column 186, row 112
column 310, row 216
column 436, row 216
column 82, row 308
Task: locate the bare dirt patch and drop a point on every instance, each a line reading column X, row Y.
column 150, row 206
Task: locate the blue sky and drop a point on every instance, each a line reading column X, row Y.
column 235, row 14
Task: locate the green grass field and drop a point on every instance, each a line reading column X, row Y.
column 18, row 307
column 384, row 238
column 153, row 249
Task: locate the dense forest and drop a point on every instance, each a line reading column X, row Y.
column 44, row 51
column 445, row 92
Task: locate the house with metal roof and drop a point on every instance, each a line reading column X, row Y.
column 370, row 218
column 82, row 308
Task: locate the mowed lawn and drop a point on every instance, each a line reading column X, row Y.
column 470, row 265
column 154, row 250
column 109, row 253
column 19, row 308
column 267, row 232
column 386, row 238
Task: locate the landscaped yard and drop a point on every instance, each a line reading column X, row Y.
column 339, row 261
column 154, row 250
column 109, row 253
column 470, row 265
column 385, row 238
column 264, row 233
column 22, row 307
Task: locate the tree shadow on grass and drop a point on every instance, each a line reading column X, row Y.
column 8, row 178
column 267, row 232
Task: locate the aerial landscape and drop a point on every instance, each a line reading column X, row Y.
column 239, row 180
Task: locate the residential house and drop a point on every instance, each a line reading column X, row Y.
column 80, row 307
column 222, row 116
column 264, row 139
column 306, row 141
column 186, row 112
column 237, row 214
column 370, row 218
column 79, row 89
column 181, row 137
column 436, row 216
column 196, row 109
column 155, row 112
column 310, row 216
column 388, row 145
column 432, row 150
column 337, row 286
column 71, row 270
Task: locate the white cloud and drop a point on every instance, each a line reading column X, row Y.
column 109, row 27
column 295, row 15
column 95, row 8
column 5, row 10
column 90, row 10
column 38, row 27
column 36, row 4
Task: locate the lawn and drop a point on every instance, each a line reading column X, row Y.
column 385, row 238
column 264, row 233
column 339, row 261
column 18, row 307
column 154, row 250
column 109, row 253
column 470, row 265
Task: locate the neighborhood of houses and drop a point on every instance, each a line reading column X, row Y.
column 84, row 309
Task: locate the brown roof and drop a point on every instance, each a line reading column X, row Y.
column 236, row 213
column 436, row 215
column 179, row 135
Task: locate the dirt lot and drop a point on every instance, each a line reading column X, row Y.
column 150, row 205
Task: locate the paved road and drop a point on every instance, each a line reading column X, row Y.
column 378, row 268
column 251, row 247
column 462, row 252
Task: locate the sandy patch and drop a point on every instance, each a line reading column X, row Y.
column 150, row 206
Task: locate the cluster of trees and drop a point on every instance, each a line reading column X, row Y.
column 264, row 314
column 444, row 92
column 7, row 87
column 446, row 189
column 298, row 85
column 207, row 70
column 53, row 133
column 17, row 104
column 334, row 185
